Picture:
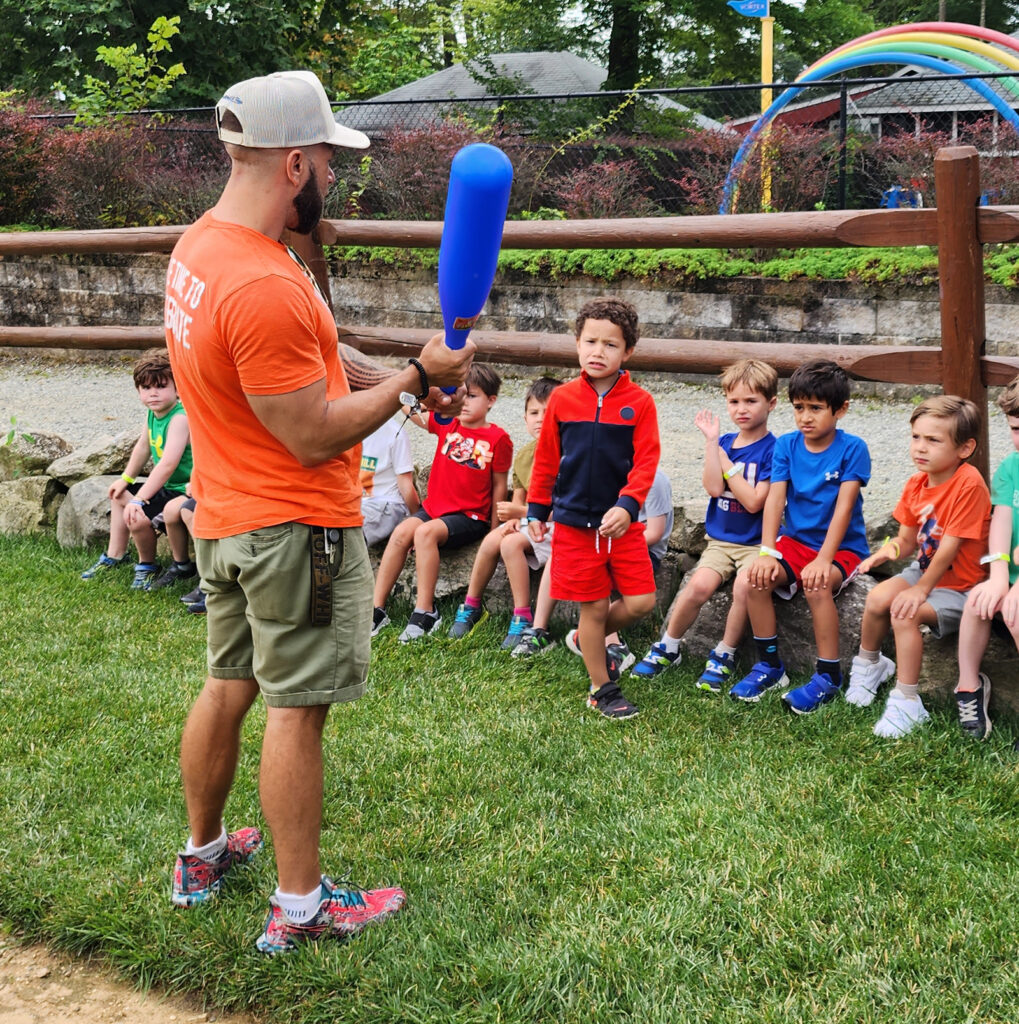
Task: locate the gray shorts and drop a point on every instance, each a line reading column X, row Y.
column 947, row 604
column 258, row 596
column 381, row 518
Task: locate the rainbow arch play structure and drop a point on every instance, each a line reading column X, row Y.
column 945, row 47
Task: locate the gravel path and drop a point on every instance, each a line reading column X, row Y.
column 80, row 400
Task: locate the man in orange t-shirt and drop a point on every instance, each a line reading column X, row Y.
column 276, row 438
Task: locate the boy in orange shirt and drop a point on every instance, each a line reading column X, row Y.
column 944, row 514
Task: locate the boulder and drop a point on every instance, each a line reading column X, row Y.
column 30, row 454
column 29, row 504
column 103, row 456
column 84, row 516
column 939, row 671
column 795, row 632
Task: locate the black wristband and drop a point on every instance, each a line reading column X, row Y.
column 424, row 377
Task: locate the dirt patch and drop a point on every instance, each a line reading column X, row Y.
column 40, row 987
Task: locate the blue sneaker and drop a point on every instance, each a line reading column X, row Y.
column 717, row 672
column 761, row 678
column 818, row 690
column 656, row 661
column 516, row 631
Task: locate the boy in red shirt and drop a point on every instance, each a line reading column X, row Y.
column 944, row 514
column 468, row 480
column 594, row 464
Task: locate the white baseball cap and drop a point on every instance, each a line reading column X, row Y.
column 284, row 110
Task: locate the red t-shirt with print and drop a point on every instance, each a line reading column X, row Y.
column 465, row 459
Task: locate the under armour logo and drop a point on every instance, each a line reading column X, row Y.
column 831, row 476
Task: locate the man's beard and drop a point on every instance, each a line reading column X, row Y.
column 308, row 204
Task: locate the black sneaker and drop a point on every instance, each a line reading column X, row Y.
column 193, row 596
column 622, row 655
column 177, row 572
column 972, row 707
column 610, row 702
column 533, row 641
column 419, row 625
column 197, row 607
column 379, row 620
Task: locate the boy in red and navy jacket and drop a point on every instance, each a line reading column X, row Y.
column 594, row 464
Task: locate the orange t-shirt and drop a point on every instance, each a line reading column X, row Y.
column 243, row 318
column 960, row 507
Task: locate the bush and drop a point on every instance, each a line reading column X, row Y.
column 610, row 189
column 25, row 173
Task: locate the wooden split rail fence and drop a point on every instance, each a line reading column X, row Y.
column 957, row 226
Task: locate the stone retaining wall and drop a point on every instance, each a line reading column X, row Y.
column 127, row 290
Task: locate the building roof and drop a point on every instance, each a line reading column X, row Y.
column 429, row 99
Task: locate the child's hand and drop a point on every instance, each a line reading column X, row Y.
column 707, row 423
column 1010, row 607
column 906, row 604
column 504, row 510
column 763, row 571
column 116, row 489
column 615, row 522
column 816, row 574
column 985, row 598
column 536, row 529
column 134, row 515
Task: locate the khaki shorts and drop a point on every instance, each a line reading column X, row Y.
column 727, row 558
column 258, row 588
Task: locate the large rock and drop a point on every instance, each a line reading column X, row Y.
column 795, row 630
column 84, row 516
column 939, row 671
column 30, row 454
column 105, row 455
column 29, row 504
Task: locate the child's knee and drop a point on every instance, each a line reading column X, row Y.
column 879, row 600
column 640, row 605
column 513, row 542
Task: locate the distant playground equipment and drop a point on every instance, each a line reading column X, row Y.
column 945, row 47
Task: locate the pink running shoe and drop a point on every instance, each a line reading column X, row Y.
column 196, row 880
column 342, row 913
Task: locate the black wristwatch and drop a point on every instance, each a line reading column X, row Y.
column 421, row 373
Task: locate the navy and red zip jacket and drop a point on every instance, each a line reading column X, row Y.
column 594, row 451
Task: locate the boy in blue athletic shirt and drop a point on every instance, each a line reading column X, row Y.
column 815, row 501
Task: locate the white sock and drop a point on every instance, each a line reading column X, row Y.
column 671, row 643
column 300, row 908
column 723, row 648
column 869, row 656
column 210, row 852
column 912, row 691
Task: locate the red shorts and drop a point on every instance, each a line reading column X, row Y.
column 588, row 567
column 795, row 556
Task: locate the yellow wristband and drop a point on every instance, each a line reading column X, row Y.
column 767, row 552
column 893, row 543
column 127, row 479
column 736, row 467
column 996, row 556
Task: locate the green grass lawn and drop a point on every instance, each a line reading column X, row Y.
column 705, row 862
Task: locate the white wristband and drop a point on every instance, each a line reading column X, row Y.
column 736, row 467
column 770, row 552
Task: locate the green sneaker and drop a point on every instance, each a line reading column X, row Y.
column 103, row 563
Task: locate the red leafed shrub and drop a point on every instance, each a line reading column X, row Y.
column 25, row 177
column 703, row 160
column 410, row 170
column 614, row 188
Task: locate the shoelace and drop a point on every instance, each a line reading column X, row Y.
column 463, row 614
column 968, row 711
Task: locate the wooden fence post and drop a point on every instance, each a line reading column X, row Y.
column 961, row 273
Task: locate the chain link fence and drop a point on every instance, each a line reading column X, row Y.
column 846, row 143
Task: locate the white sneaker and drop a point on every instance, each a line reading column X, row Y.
column 865, row 677
column 421, row 624
column 902, row 715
